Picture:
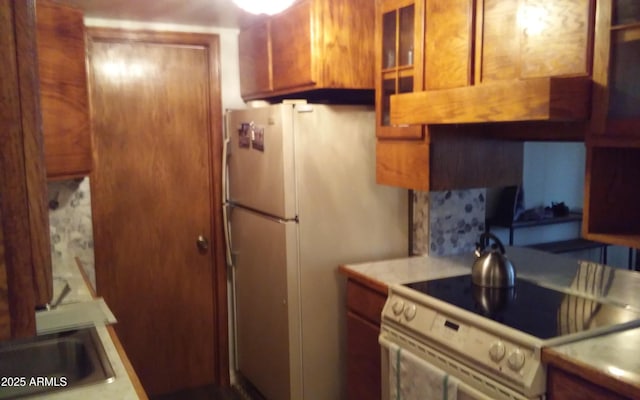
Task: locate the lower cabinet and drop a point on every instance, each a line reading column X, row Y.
column 563, row 385
column 364, row 306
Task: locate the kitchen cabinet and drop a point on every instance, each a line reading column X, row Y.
column 616, row 103
column 613, row 142
column 410, row 59
column 510, row 61
column 25, row 259
column 255, row 59
column 364, row 307
column 311, row 46
column 399, row 35
column 63, row 90
column 563, row 385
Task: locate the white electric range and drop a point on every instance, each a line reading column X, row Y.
column 491, row 339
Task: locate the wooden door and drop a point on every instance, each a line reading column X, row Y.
column 156, row 120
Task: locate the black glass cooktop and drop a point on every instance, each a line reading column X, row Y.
column 536, row 310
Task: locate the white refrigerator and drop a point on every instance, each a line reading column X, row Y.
column 301, row 200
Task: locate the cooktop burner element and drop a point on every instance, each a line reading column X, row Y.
column 529, row 308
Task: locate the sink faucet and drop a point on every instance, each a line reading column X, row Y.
column 65, row 291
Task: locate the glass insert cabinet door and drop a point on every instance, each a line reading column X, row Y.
column 624, row 62
column 399, row 62
column 622, row 52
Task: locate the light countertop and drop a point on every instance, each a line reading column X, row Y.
column 612, row 356
column 122, row 387
column 609, row 360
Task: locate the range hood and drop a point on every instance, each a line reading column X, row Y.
column 536, row 99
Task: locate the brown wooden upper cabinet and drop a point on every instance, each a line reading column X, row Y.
column 255, row 59
column 315, row 44
column 427, row 45
column 399, row 37
column 612, row 192
column 502, row 60
column 63, row 90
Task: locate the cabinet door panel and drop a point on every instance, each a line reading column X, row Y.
column 448, row 45
column 562, row 385
column 5, row 317
column 555, row 37
column 25, row 259
column 63, row 90
column 500, row 41
column 624, row 86
column 363, row 359
column 254, row 58
column 291, row 45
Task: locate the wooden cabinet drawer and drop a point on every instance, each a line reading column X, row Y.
column 365, row 302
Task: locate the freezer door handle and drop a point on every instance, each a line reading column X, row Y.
column 227, row 234
column 234, row 258
column 225, row 193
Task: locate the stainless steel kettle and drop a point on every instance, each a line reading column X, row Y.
column 491, row 267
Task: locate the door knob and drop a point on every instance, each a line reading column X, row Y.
column 202, row 243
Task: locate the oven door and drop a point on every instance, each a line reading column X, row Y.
column 471, row 386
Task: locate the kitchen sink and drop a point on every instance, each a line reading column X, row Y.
column 52, row 362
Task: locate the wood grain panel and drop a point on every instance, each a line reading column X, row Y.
column 612, row 191
column 255, row 59
column 30, row 100
column 403, row 163
column 448, row 55
column 63, row 86
column 568, row 377
column 21, row 171
column 514, row 100
column 363, row 359
column 5, row 316
column 562, row 385
column 347, row 56
column 556, row 37
column 135, row 381
column 501, row 41
column 464, row 158
column 315, row 45
column 293, row 50
column 156, row 188
column 364, row 301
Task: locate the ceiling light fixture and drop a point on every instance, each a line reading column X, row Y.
column 269, row 7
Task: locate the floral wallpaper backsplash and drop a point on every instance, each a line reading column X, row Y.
column 448, row 223
column 70, row 224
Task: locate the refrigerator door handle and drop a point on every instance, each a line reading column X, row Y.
column 225, row 194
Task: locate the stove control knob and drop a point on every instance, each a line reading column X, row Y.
column 398, row 307
column 410, row 312
column 497, row 351
column 516, row 359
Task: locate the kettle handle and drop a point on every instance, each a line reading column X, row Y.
column 484, row 241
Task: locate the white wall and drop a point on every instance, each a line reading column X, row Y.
column 555, row 172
